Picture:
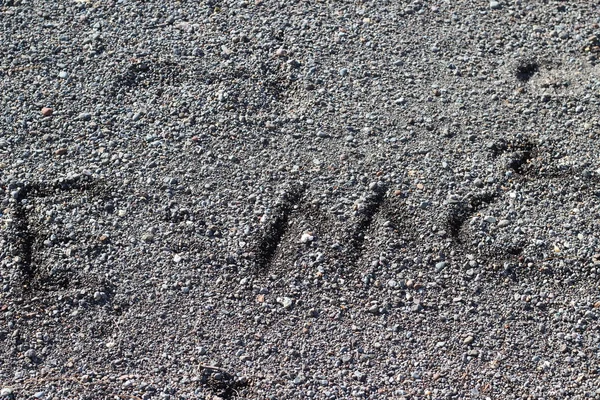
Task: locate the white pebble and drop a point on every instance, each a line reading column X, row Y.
column 306, row 237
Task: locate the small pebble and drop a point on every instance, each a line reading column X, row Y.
column 306, row 237
column 148, row 237
column 440, row 266
column 84, row 116
column 286, row 302
column 99, row 296
column 563, row 348
column 281, row 52
column 47, row 111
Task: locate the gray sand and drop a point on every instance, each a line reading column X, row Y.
column 299, row 199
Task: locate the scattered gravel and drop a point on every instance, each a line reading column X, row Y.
column 251, row 199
